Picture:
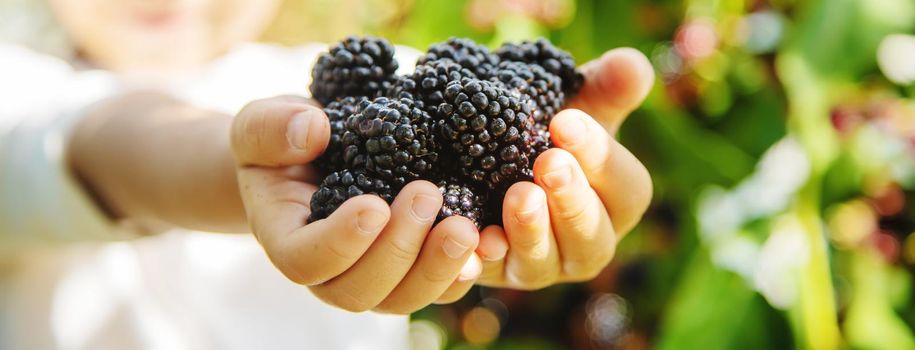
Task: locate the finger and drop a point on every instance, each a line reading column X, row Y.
column 460, row 286
column 533, row 260
column 391, row 256
column 492, row 251
column 493, row 244
column 319, row 251
column 620, row 180
column 615, row 84
column 277, row 193
column 279, row 131
column 582, row 228
column 447, row 249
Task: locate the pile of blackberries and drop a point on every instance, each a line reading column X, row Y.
column 468, row 119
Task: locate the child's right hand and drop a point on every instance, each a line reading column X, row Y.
column 366, row 255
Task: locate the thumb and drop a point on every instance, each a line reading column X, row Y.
column 615, row 85
column 279, row 131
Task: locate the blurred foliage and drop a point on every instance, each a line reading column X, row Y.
column 783, row 159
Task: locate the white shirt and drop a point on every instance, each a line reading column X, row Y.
column 71, row 279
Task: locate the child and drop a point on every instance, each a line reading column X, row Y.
column 134, row 138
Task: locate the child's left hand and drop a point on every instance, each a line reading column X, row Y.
column 588, row 192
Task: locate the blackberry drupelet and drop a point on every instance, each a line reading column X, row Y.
column 551, row 58
column 488, row 128
column 461, row 199
column 342, row 185
column 544, row 88
column 337, row 113
column 541, row 141
column 475, row 57
column 356, row 66
column 391, row 139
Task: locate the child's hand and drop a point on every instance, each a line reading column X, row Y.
column 366, row 255
column 588, row 193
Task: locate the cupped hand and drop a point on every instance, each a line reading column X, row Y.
column 367, row 255
column 587, row 192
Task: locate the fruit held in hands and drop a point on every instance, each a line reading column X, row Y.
column 488, row 128
column 464, row 52
column 337, row 112
column 354, row 67
column 342, row 185
column 461, row 200
column 542, row 53
column 391, row 139
column 469, row 119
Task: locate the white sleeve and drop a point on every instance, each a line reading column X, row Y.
column 40, row 201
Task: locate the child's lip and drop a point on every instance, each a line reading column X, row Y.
column 158, row 19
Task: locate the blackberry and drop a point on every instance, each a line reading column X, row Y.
column 337, row 113
column 342, row 185
column 475, row 57
column 541, row 141
column 470, row 119
column 544, row 88
column 391, row 139
column 427, row 83
column 488, row 128
column 461, row 199
column 551, row 58
column 354, row 67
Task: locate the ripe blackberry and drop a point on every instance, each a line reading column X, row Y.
column 342, row 185
column 488, row 128
column 475, row 57
column 551, row 58
column 391, row 139
column 356, row 66
column 541, row 141
column 461, row 199
column 337, row 113
column 427, row 83
column 544, row 88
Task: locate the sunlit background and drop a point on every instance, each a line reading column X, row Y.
column 781, row 140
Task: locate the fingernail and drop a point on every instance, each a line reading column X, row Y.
column 559, row 177
column 424, row 207
column 297, row 130
column 454, row 249
column 471, row 269
column 572, row 131
column 531, row 211
column 370, row 222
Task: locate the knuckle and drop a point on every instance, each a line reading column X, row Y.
column 435, row 275
column 340, row 252
column 531, row 245
column 571, row 210
column 598, row 167
column 402, row 250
